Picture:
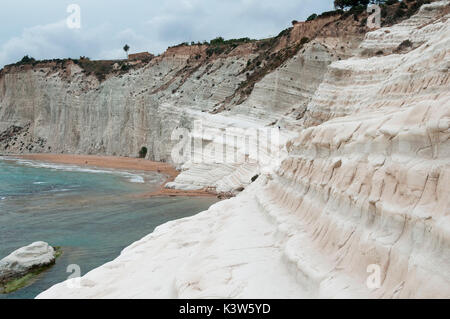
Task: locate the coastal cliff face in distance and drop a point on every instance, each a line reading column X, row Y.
column 356, row 186
column 97, row 108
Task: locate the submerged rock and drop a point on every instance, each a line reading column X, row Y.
column 25, row 259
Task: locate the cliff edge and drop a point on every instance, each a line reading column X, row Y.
column 356, row 205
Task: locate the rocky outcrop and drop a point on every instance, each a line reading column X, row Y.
column 352, row 202
column 25, row 259
column 18, row 139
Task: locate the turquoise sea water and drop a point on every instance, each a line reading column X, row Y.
column 91, row 214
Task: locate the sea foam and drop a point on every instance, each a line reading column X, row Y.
column 131, row 177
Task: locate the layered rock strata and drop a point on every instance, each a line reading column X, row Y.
column 355, row 205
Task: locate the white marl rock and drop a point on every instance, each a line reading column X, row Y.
column 22, row 260
column 363, row 182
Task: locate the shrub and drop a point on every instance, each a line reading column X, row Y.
column 330, row 13
column 399, row 13
column 312, row 17
column 285, row 32
column 215, row 50
column 341, row 4
column 304, row 40
column 219, row 45
column 143, row 152
column 26, row 59
column 99, row 69
column 384, row 12
column 363, row 22
column 217, row 41
column 405, row 44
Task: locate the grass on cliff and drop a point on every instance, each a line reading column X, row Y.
column 218, row 45
column 392, row 11
column 101, row 68
column 29, row 278
column 98, row 68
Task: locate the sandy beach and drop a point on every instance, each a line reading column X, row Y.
column 121, row 163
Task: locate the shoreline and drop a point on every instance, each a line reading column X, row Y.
column 122, row 163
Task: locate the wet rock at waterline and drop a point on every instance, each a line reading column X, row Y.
column 20, row 263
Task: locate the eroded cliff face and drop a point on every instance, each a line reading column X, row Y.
column 121, row 114
column 59, row 108
column 362, row 186
column 370, row 186
column 117, row 116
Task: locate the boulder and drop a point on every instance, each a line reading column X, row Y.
column 25, row 259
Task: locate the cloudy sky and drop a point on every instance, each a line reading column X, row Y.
column 40, row 29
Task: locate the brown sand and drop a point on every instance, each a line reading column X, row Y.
column 122, row 163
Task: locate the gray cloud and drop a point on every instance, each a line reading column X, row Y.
column 146, row 26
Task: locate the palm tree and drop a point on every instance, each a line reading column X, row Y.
column 126, row 48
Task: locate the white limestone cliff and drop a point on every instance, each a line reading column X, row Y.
column 362, row 185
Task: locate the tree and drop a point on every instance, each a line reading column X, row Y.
column 342, row 4
column 312, row 17
column 126, row 48
column 26, row 59
column 217, row 41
